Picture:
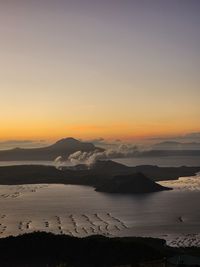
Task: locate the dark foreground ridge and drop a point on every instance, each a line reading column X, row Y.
column 45, row 249
column 104, row 175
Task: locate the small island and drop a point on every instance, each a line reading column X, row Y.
column 136, row 183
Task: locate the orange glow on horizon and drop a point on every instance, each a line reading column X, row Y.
column 113, row 131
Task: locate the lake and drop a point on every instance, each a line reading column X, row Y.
column 80, row 211
column 171, row 161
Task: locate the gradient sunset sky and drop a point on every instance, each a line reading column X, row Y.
column 123, row 69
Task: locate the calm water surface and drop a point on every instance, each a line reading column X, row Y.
column 159, row 161
column 80, row 211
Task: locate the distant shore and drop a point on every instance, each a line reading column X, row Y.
column 101, row 172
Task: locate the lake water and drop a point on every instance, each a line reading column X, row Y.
column 159, row 161
column 80, row 211
column 171, row 161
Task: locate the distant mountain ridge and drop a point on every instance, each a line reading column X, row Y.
column 173, row 145
column 63, row 147
column 67, row 146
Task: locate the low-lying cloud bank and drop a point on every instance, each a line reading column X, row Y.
column 189, row 137
column 10, row 144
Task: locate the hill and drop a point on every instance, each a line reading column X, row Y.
column 46, row 249
column 103, row 173
column 135, row 183
column 63, row 147
column 42, row 249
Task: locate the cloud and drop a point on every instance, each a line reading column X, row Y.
column 193, row 135
column 87, row 158
column 9, row 144
column 90, row 158
column 101, row 142
column 97, row 141
column 189, row 137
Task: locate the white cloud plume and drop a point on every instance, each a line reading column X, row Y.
column 89, row 158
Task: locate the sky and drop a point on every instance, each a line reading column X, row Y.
column 109, row 68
